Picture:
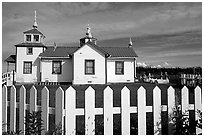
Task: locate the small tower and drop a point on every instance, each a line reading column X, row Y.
column 88, row 38
column 33, row 35
column 130, row 43
column 27, row 52
column 88, row 33
column 35, row 25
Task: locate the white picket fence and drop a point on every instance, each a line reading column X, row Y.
column 68, row 101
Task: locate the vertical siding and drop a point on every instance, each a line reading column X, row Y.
column 87, row 52
column 128, row 71
column 67, row 71
column 21, row 57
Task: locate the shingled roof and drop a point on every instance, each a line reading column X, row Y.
column 120, row 51
column 111, row 51
column 58, row 52
column 30, row 45
column 33, row 31
column 11, row 59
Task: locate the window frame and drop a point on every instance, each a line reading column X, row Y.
column 27, row 37
column 53, row 72
column 24, row 67
column 34, row 38
column 86, row 67
column 28, row 50
column 116, row 69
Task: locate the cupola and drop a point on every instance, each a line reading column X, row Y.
column 88, row 37
column 33, row 35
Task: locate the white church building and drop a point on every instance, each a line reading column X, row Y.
column 86, row 63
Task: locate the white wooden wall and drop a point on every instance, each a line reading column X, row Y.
column 70, row 112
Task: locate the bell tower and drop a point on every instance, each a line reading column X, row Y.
column 27, row 54
column 88, row 37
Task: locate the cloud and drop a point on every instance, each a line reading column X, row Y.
column 78, row 8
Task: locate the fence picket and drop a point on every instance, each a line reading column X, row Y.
column 198, row 106
column 22, row 110
column 89, row 111
column 125, row 111
column 13, row 109
column 44, row 108
column 171, row 106
column 108, row 111
column 157, row 110
column 185, row 100
column 70, row 104
column 65, row 107
column 4, row 108
column 141, row 106
column 59, row 107
column 33, row 99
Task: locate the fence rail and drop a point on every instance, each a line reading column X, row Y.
column 8, row 77
column 65, row 107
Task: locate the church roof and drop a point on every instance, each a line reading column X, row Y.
column 30, row 45
column 120, row 51
column 58, row 52
column 11, row 59
column 110, row 51
column 33, row 31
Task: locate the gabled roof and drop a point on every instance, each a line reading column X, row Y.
column 11, row 59
column 97, row 48
column 120, row 51
column 58, row 52
column 33, row 31
column 107, row 51
column 30, row 45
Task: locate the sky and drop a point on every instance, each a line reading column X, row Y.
column 163, row 34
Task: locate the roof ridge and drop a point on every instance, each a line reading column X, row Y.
column 114, row 47
column 63, row 47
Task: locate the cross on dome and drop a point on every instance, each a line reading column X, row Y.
column 88, row 33
column 35, row 25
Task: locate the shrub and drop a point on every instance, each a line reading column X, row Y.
column 33, row 123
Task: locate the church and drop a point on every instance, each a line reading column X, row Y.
column 86, row 63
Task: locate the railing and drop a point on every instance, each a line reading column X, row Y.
column 7, row 78
column 65, row 107
column 191, row 80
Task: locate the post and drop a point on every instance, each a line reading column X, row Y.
column 108, row 111
column 4, row 108
column 89, row 111
column 13, row 109
column 33, row 99
column 59, row 107
column 171, row 106
column 13, row 77
column 198, row 106
column 7, row 66
column 22, row 109
column 157, row 110
column 45, row 108
column 141, row 107
column 125, row 111
column 70, row 107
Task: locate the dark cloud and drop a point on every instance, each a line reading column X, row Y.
column 156, row 27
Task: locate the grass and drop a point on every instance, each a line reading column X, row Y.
column 80, row 103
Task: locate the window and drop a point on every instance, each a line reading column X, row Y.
column 119, row 67
column 27, row 67
column 29, row 51
column 28, row 37
column 56, row 67
column 89, row 67
column 36, row 38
